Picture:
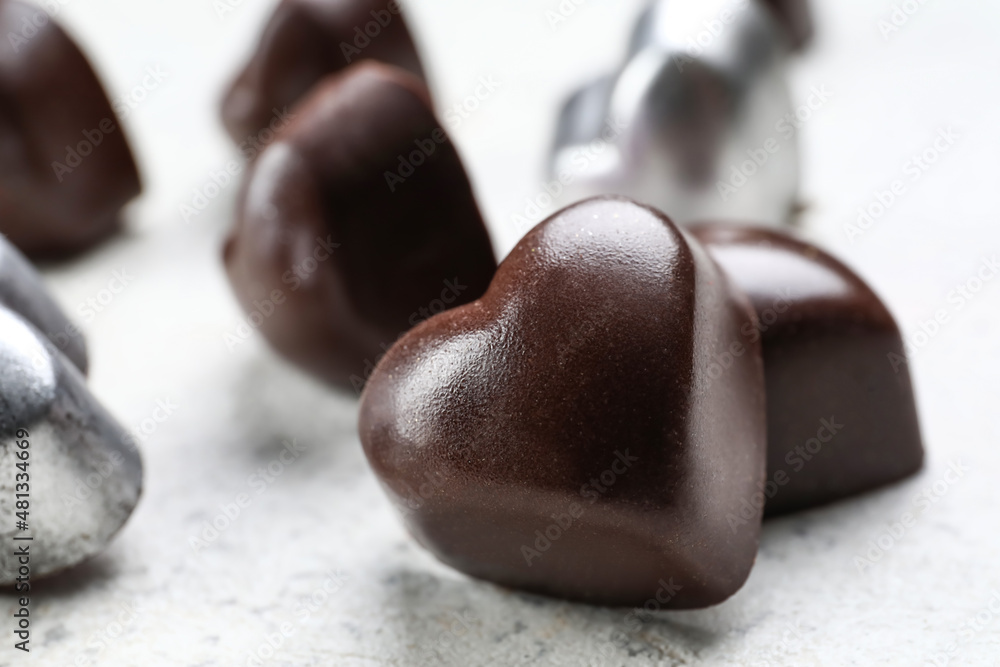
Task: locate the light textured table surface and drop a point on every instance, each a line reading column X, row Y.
column 318, row 563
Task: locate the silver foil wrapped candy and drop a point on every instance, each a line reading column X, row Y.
column 78, row 471
column 697, row 121
column 22, row 290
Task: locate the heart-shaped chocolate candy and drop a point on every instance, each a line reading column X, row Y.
column 66, row 168
column 357, row 223
column 563, row 434
column 840, row 409
column 303, row 42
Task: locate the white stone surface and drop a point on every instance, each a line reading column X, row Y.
column 151, row 600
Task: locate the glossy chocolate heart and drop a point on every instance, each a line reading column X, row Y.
column 66, row 168
column 840, row 408
column 563, row 435
column 356, row 224
column 306, row 40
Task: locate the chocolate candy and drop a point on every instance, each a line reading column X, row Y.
column 840, row 408
column 357, row 223
column 689, row 124
column 795, row 17
column 82, row 471
column 22, row 290
column 66, row 167
column 306, row 40
column 563, row 435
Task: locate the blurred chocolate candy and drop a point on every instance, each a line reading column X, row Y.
column 80, row 470
column 22, row 290
column 695, row 123
column 66, row 168
column 840, row 409
column 304, row 41
column 357, row 223
column 795, row 17
column 563, row 435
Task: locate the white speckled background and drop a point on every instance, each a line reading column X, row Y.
column 321, row 530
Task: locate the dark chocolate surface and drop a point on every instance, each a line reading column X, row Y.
column 66, row 168
column 795, row 16
column 356, row 224
column 306, row 40
column 562, row 434
column 840, row 407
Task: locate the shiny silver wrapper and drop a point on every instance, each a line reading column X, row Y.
column 22, row 290
column 82, row 470
column 697, row 123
